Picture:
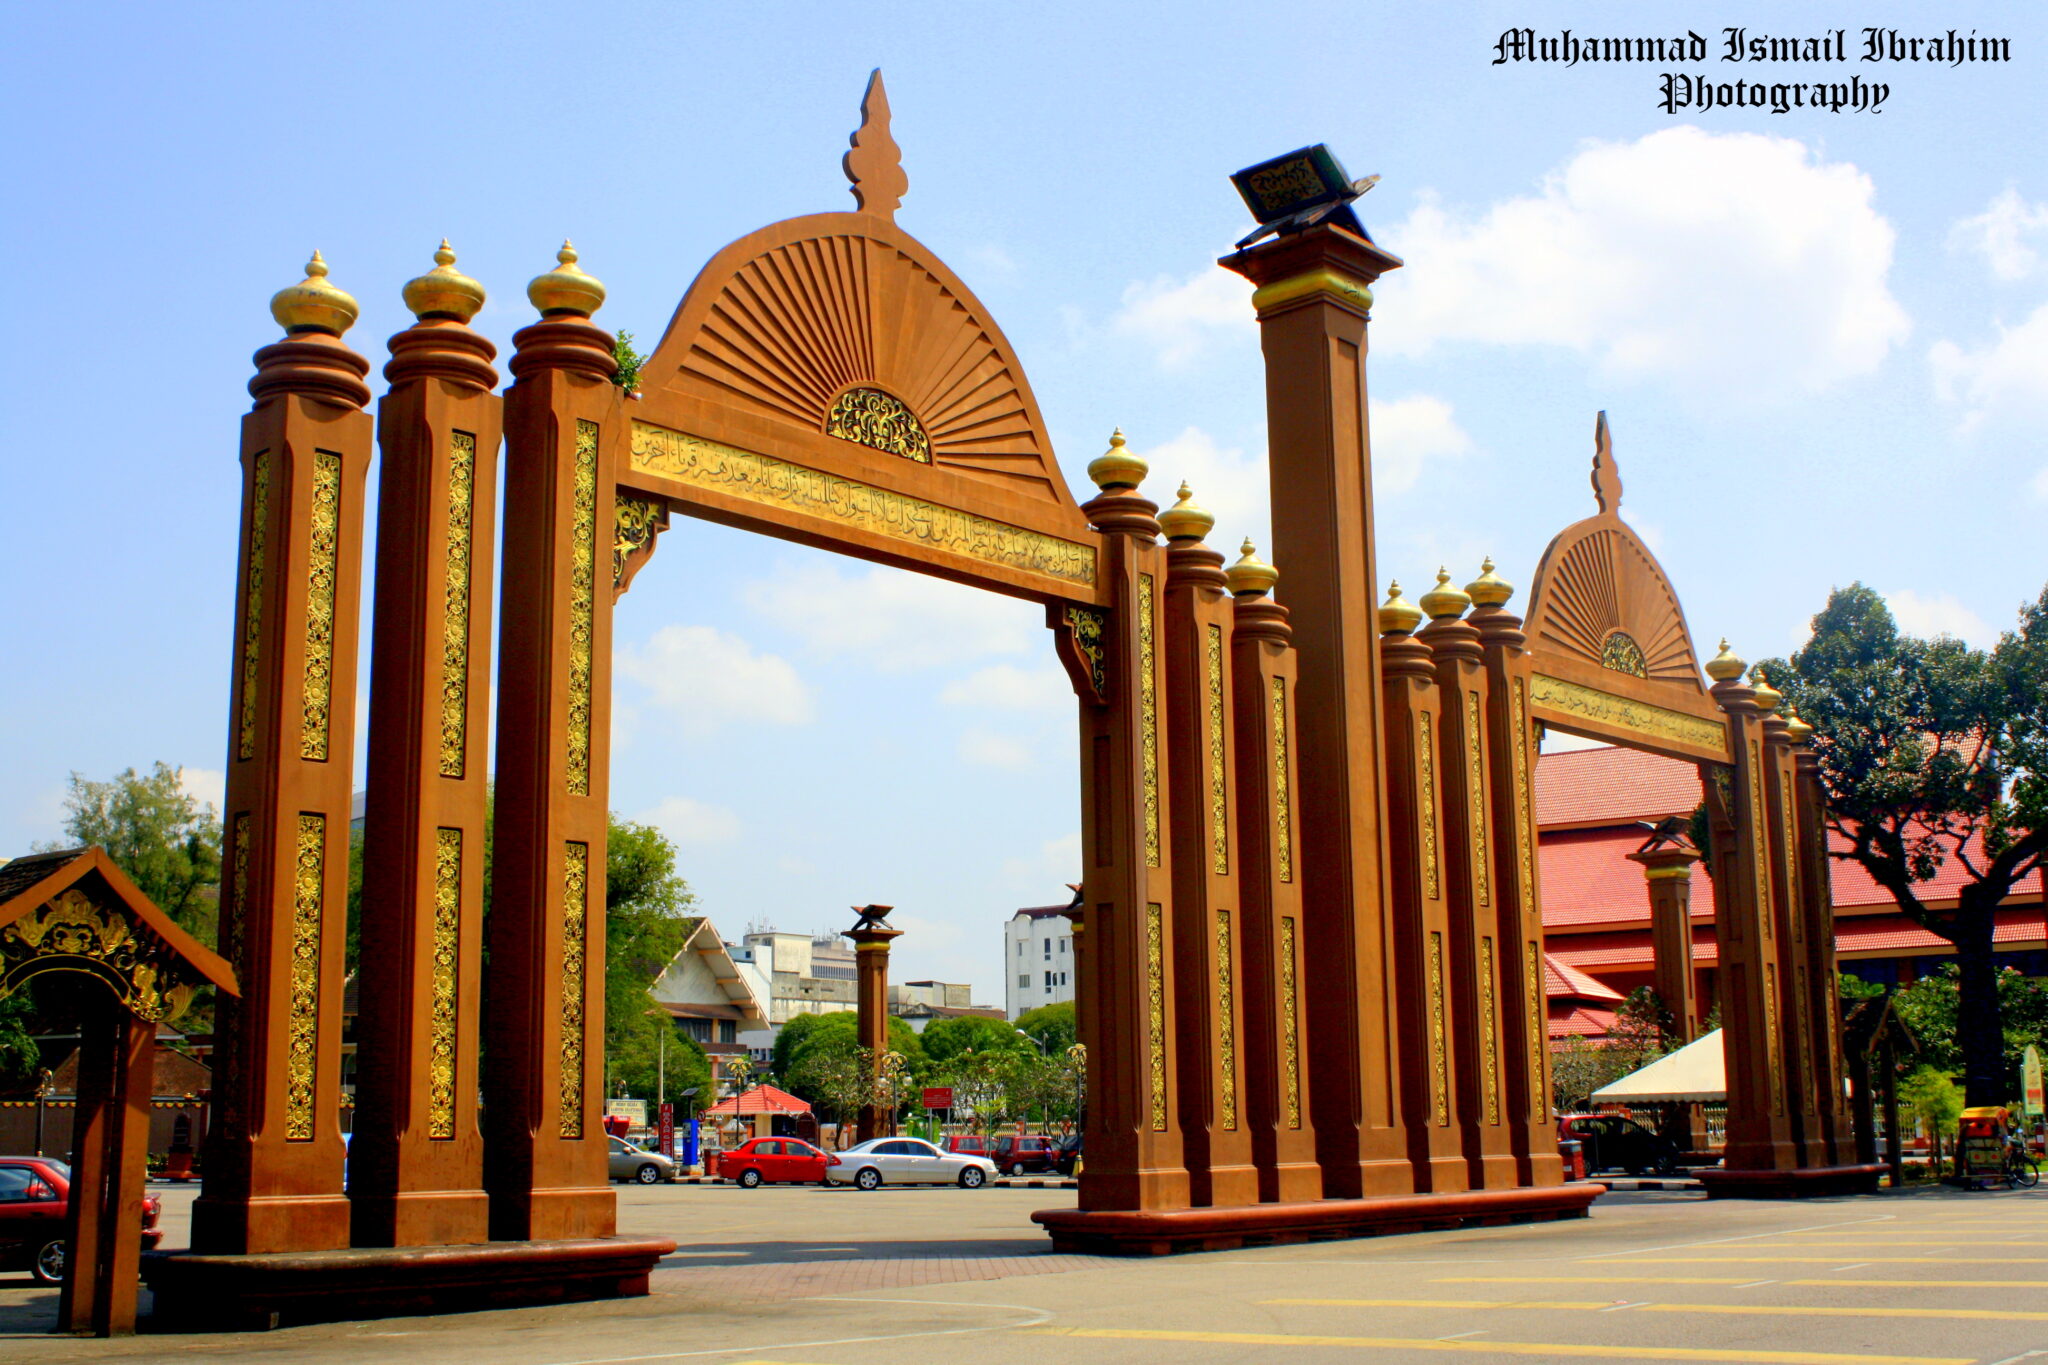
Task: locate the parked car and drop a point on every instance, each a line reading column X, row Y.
column 971, row 1144
column 628, row 1162
column 1612, row 1142
column 35, row 1197
column 1025, row 1155
column 1067, row 1160
column 907, row 1161
column 765, row 1161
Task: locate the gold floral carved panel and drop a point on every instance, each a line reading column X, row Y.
column 1290, row 1021
column 1148, row 718
column 878, row 421
column 1283, row 813
column 323, row 554
column 1226, row 1022
column 582, row 603
column 1219, row 787
column 455, row 603
column 1489, row 1032
column 1605, row 710
column 252, row 605
column 575, row 914
column 1475, row 797
column 1439, row 1043
column 302, row 1018
column 1425, row 751
column 1155, row 1010
column 441, row 1015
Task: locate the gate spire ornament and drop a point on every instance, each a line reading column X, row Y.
column 1606, row 477
column 874, row 166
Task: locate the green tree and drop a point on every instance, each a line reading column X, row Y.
column 1054, row 1027
column 1642, row 1032
column 947, row 1038
column 647, row 921
column 162, row 836
column 836, row 1035
column 1931, row 1007
column 1935, row 756
column 19, row 1055
column 1931, row 1096
column 629, row 362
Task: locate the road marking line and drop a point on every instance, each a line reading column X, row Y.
column 1460, row 1336
column 1038, row 1316
column 1649, row 1306
column 1520, row 1348
column 1754, row 1283
column 1595, row 1279
column 1815, row 1260
column 1858, row 1266
column 1425, row 1303
column 1909, row 1242
column 1932, row 1284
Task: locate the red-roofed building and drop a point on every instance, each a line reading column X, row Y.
column 1596, row 908
column 762, row 1099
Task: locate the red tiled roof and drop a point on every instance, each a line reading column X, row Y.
column 1897, row 934
column 1582, row 1021
column 1612, row 786
column 762, row 1099
column 1562, row 981
column 1588, row 879
column 1628, row 948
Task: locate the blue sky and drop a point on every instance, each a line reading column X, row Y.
column 1822, row 340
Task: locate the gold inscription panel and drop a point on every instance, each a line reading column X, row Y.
column 1619, row 713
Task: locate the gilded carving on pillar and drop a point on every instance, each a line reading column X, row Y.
column 1219, row 788
column 1439, row 1042
column 1759, row 839
column 1609, row 710
column 582, row 603
column 1475, row 768
column 1539, row 1034
column 227, row 1022
column 1148, row 718
column 1226, row 1022
column 72, row 930
column 252, row 605
column 323, row 555
column 1806, row 1076
column 1489, row 1033
column 1518, row 742
column 635, row 524
column 302, row 1026
column 1772, row 1043
column 1620, row 652
column 1792, row 910
column 879, row 421
column 575, row 912
column 1087, row 642
column 1290, row 1022
column 442, row 1009
column 1426, row 752
column 1283, row 836
column 1155, row 1010
column 455, row 604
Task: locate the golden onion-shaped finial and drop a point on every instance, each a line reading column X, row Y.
column 1798, row 729
column 1398, row 616
column 444, row 291
column 1489, row 589
column 1117, row 467
column 1185, row 520
column 1725, row 666
column 314, row 305
column 1767, row 696
column 566, row 289
column 1251, row 575
column 1445, row 600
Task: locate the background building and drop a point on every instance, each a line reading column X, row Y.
column 1038, row 958
column 918, row 1003
column 706, row 993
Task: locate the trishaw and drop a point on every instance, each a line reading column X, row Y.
column 1989, row 1147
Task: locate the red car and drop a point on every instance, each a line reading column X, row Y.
column 762, row 1161
column 35, row 1195
column 971, row 1144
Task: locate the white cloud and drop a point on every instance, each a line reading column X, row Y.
column 993, row 750
column 1938, row 613
column 1009, row 687
column 893, row 619
column 2007, row 378
column 2040, row 484
column 2000, row 234
column 1408, row 433
column 686, row 821
column 1182, row 319
column 1046, row 871
column 207, row 786
column 705, row 678
column 1558, row 742
column 1720, row 264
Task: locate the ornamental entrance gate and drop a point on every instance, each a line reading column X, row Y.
column 1263, row 895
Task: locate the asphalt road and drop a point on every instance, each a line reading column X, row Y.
column 803, row 1276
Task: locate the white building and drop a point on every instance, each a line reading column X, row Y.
column 1038, row 958
column 709, row 995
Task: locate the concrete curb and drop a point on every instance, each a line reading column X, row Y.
column 1619, row 1183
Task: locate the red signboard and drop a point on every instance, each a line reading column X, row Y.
column 666, row 1141
column 938, row 1097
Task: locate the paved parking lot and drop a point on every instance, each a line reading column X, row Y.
column 803, row 1276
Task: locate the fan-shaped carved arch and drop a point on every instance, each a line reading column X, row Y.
column 1599, row 590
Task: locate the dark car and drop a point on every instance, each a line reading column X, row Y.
column 1067, row 1161
column 970, row 1144
column 35, row 1194
column 1611, row 1143
column 1026, row 1155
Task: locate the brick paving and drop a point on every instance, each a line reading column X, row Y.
column 776, row 1281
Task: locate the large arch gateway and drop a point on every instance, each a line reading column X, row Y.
column 1311, row 982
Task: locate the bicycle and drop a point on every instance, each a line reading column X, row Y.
column 2020, row 1171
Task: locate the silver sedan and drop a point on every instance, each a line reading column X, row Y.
column 907, row 1161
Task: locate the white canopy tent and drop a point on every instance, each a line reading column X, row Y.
column 1695, row 1074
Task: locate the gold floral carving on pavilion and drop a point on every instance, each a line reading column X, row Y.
column 455, row 603
column 1226, row 1022
column 323, row 551
column 1475, row 782
column 227, row 1009
column 1283, row 814
column 850, row 504
column 1219, row 787
column 1791, row 852
column 635, row 524
column 1489, row 1032
column 1620, row 652
column 575, row 914
column 252, row 605
column 1535, row 1001
column 1518, row 737
column 1439, row 1043
column 441, row 1012
column 1290, row 1021
column 1760, row 856
column 1425, row 752
column 582, row 603
column 1084, row 647
column 879, row 421
column 1771, row 1041
column 1607, row 710
column 302, row 1021
column 74, row 932
column 1148, row 718
column 1155, row 1010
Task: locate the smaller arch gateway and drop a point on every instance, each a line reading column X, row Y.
column 1308, row 931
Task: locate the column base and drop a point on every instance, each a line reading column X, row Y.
column 1152, row 1189
column 552, row 1215
column 1808, row 1183
column 201, row 1293
column 260, row 1225
column 430, row 1219
column 1107, row 1232
column 1290, row 1182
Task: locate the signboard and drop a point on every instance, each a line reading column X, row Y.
column 938, row 1097
column 665, row 1140
column 634, row 1112
column 2030, row 1082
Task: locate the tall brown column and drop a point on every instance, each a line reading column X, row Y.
column 415, row 1154
column 1133, row 1125
column 1422, row 926
column 274, row 1160
column 1479, row 961
column 1667, row 872
column 1313, row 302
column 1208, row 945
column 1796, row 977
column 544, row 1151
column 117, row 1061
column 871, row 939
column 1817, row 906
column 1518, row 901
column 1263, row 682
column 1760, row 1127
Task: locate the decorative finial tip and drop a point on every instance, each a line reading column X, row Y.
column 443, row 255
column 1250, row 576
column 314, row 305
column 316, row 267
column 567, row 288
column 1725, row 666
column 1119, row 467
column 1185, row 520
column 1490, row 589
column 444, row 291
column 1398, row 616
column 1445, row 601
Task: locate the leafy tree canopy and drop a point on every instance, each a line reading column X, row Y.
column 1054, row 1026
column 159, row 834
column 945, row 1039
column 647, row 921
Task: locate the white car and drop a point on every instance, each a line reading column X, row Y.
column 907, row 1161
